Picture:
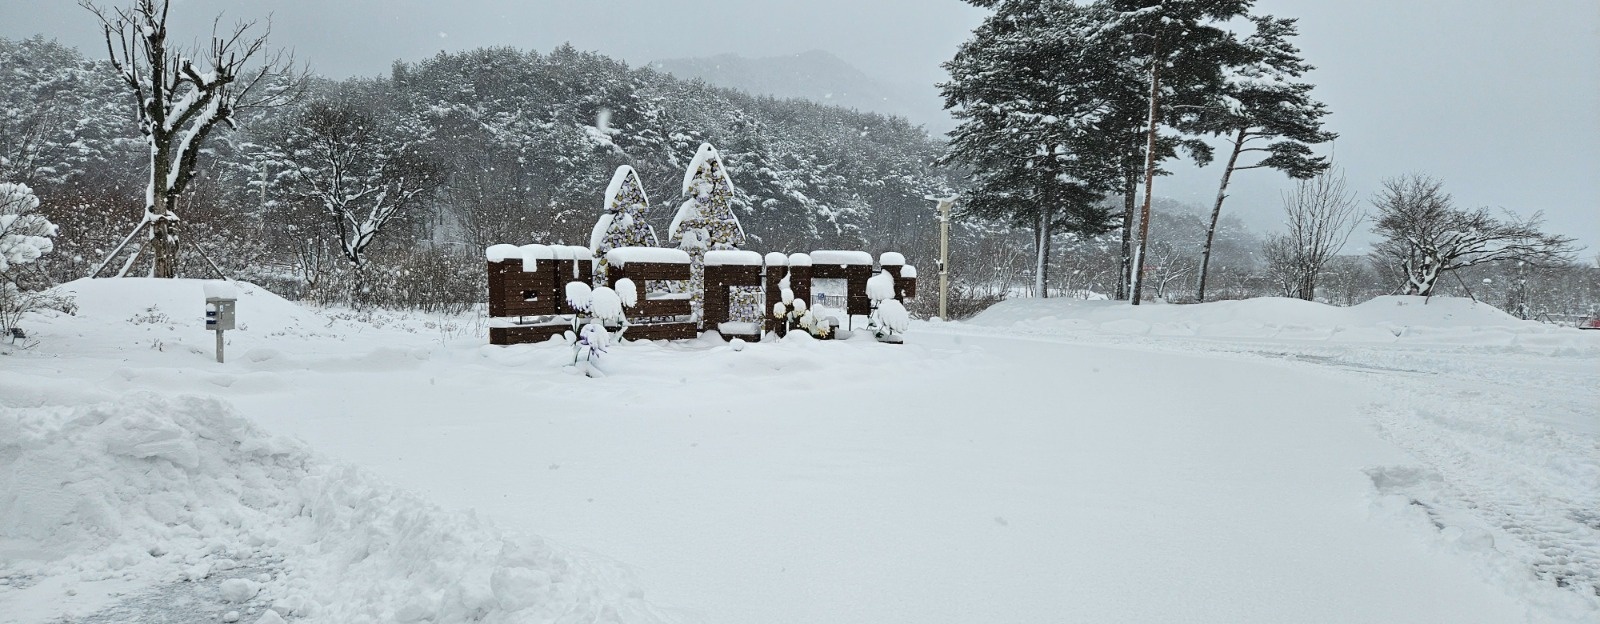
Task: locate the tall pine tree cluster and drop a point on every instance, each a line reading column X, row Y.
column 1063, row 105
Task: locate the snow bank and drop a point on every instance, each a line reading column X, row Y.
column 164, row 489
column 732, row 257
column 181, row 303
column 621, row 256
column 1384, row 319
column 841, row 257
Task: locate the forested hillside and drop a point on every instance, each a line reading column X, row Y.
column 505, row 145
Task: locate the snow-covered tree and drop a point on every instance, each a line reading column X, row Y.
column 1264, row 101
column 623, row 224
column 25, row 236
column 60, row 115
column 1426, row 236
column 1036, row 141
column 180, row 99
column 705, row 221
column 362, row 164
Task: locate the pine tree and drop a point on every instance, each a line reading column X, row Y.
column 1184, row 50
column 623, row 224
column 705, row 221
column 1037, row 141
column 1265, row 102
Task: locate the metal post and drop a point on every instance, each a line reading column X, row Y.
column 944, row 256
column 219, row 346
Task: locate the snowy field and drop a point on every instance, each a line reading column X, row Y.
column 1257, row 461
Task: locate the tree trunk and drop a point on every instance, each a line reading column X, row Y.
column 1149, row 171
column 1041, row 260
column 163, row 223
column 1216, row 213
column 1130, row 187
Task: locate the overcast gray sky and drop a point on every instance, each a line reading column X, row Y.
column 1499, row 99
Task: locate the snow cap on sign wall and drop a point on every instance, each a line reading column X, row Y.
column 777, row 259
column 840, row 257
column 502, row 252
column 908, row 272
column 889, row 258
column 532, row 254
column 621, row 256
column 732, row 257
column 799, row 259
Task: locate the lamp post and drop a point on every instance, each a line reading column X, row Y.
column 944, row 253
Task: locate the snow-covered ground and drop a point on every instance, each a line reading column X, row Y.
column 1260, row 461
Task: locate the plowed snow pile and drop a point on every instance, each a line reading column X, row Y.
column 1389, row 319
column 139, row 492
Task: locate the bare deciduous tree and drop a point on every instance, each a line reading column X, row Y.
column 179, row 99
column 362, row 165
column 1426, row 236
column 1321, row 214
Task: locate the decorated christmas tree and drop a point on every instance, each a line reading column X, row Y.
column 623, row 224
column 705, row 221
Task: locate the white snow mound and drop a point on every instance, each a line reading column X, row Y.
column 1388, row 319
column 181, row 303
column 165, row 488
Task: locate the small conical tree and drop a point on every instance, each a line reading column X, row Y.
column 623, row 223
column 705, row 220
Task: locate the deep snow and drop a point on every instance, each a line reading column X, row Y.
column 1231, row 462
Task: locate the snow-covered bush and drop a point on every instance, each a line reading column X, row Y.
column 601, row 305
column 890, row 317
column 794, row 313
column 25, row 236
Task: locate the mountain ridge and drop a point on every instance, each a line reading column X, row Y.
column 815, row 75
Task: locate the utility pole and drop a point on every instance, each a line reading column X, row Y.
column 945, row 203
